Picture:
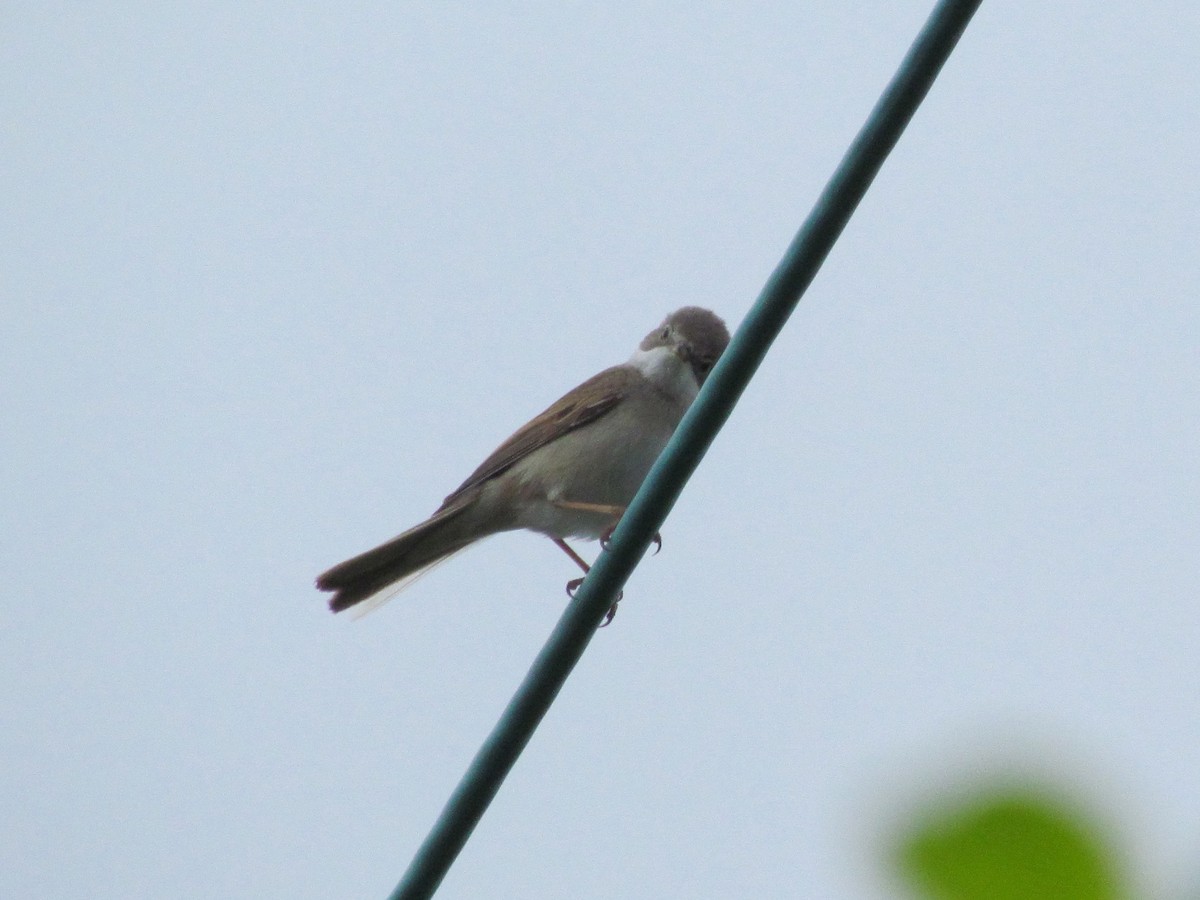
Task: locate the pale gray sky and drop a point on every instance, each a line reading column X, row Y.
column 277, row 276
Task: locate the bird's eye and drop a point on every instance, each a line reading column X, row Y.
column 666, row 333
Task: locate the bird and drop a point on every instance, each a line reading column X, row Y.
column 569, row 472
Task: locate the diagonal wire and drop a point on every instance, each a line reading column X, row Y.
column 691, row 440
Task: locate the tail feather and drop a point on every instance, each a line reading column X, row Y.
column 401, row 559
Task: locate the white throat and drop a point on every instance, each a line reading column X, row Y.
column 666, row 371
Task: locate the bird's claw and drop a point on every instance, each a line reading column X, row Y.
column 573, row 586
column 606, row 539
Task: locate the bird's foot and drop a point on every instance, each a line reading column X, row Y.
column 573, row 586
column 606, row 539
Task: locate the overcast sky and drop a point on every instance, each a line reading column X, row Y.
column 276, row 277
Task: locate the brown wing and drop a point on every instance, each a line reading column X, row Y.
column 586, row 403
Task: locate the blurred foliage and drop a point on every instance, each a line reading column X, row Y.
column 1009, row 845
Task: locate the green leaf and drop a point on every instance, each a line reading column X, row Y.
column 1014, row 845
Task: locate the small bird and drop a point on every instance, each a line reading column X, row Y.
column 569, row 472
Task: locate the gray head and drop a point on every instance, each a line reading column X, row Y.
column 698, row 336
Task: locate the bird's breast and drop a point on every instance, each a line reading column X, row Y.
column 603, row 463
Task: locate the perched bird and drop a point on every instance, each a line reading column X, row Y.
column 569, row 472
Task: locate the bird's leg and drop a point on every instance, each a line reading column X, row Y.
column 574, row 583
column 579, row 561
column 605, row 509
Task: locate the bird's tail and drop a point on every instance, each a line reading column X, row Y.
column 392, row 566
